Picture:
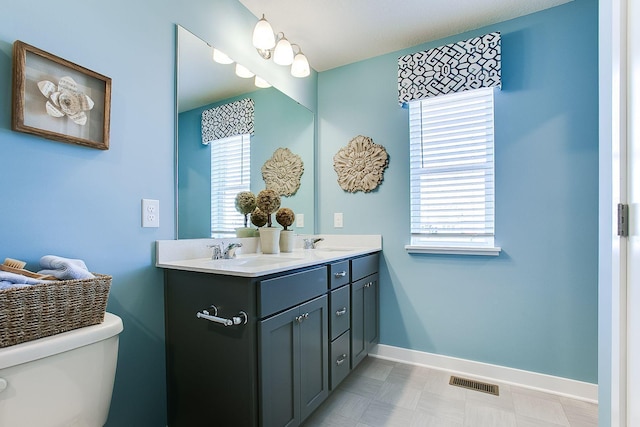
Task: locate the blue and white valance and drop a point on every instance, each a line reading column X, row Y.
column 456, row 67
column 235, row 118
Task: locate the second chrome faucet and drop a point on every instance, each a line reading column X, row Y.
column 222, row 251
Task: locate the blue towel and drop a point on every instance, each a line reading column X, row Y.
column 64, row 268
column 13, row 280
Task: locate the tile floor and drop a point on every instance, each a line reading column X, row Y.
column 381, row 393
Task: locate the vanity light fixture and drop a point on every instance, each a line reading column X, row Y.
column 263, row 36
column 300, row 65
column 242, row 71
column 221, row 57
column 270, row 45
column 283, row 53
column 261, row 83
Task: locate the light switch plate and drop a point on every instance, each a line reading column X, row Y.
column 300, row 220
column 150, row 213
column 337, row 220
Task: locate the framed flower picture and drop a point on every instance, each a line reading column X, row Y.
column 57, row 99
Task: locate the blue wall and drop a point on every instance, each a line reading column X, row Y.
column 535, row 306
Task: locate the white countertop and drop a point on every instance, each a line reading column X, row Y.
column 195, row 254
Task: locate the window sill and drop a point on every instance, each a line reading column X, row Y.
column 453, row 250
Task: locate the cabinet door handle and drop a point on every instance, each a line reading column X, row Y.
column 302, row 317
column 368, row 285
column 340, row 274
column 340, row 360
column 342, row 311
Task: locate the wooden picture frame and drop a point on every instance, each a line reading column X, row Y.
column 57, row 99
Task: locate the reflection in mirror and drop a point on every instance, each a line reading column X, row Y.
column 280, row 122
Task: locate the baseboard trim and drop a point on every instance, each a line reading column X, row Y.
column 547, row 383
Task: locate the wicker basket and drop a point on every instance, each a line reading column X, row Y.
column 37, row 311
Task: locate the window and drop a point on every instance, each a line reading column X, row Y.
column 230, row 174
column 452, row 173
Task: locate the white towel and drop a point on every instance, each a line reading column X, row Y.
column 13, row 280
column 64, row 268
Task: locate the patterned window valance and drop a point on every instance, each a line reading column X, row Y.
column 456, row 67
column 235, row 118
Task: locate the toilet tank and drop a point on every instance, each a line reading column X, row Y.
column 61, row 380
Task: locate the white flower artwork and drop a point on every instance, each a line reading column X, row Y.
column 360, row 165
column 65, row 99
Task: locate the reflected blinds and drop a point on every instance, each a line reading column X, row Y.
column 230, row 174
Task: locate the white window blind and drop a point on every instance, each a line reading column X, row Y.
column 452, row 169
column 230, row 174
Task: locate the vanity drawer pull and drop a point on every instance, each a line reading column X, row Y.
column 340, row 274
column 342, row 311
column 341, row 359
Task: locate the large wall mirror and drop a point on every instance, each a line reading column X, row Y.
column 280, row 122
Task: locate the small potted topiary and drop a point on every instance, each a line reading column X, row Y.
column 285, row 217
column 259, row 219
column 268, row 201
column 245, row 204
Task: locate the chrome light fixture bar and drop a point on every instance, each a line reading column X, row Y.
column 271, row 45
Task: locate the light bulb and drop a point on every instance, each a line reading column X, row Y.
column 263, row 37
column 221, row 57
column 283, row 54
column 300, row 66
column 243, row 72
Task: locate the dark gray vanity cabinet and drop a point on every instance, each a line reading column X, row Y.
column 364, row 307
column 306, row 329
column 293, row 363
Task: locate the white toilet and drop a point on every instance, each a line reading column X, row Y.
column 60, row 381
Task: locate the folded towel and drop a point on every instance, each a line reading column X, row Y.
column 12, row 280
column 64, row 268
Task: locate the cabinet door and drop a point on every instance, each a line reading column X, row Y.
column 280, row 370
column 364, row 317
column 294, row 363
column 314, row 354
column 371, row 311
column 358, row 344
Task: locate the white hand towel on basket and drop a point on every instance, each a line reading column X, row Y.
column 64, row 268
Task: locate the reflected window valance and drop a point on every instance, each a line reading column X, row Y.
column 233, row 119
column 456, row 67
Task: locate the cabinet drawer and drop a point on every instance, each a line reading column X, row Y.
column 286, row 291
column 338, row 274
column 339, row 311
column 364, row 266
column 339, row 361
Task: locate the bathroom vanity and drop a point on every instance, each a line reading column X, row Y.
column 262, row 340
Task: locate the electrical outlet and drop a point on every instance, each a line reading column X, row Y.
column 150, row 213
column 337, row 220
column 300, row 220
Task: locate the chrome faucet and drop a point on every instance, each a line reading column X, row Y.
column 310, row 243
column 230, row 251
column 222, row 252
column 216, row 251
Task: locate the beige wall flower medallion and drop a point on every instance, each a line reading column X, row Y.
column 282, row 172
column 360, row 165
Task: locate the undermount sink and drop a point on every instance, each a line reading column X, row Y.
column 251, row 261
